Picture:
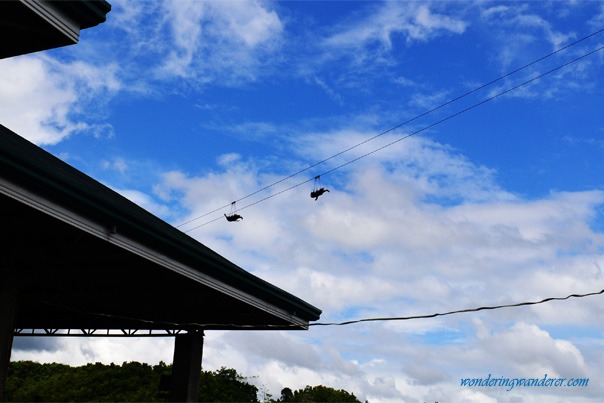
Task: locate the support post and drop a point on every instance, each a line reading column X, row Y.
column 186, row 367
column 9, row 290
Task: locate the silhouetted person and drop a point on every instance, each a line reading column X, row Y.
column 233, row 217
column 317, row 193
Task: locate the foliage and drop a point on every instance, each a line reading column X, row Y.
column 30, row 381
column 317, row 394
column 131, row 382
column 226, row 385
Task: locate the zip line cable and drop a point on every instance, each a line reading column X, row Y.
column 248, row 205
column 399, row 125
column 349, row 322
column 484, row 101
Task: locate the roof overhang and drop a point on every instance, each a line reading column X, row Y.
column 88, row 258
column 28, row 26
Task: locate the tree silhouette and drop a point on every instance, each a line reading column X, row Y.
column 318, row 393
column 30, row 381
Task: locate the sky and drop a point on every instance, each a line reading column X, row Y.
column 452, row 183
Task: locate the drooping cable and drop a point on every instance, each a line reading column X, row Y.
column 455, row 99
column 194, row 325
column 434, row 315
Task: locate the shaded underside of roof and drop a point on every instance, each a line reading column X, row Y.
column 28, row 26
column 86, row 257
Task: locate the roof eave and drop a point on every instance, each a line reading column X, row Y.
column 78, row 192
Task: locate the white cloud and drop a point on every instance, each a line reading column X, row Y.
column 598, row 18
column 217, row 40
column 186, row 41
column 328, row 90
column 185, row 21
column 251, row 22
column 521, row 34
column 145, row 201
column 80, row 351
column 526, row 27
column 382, row 238
column 127, row 15
column 415, row 228
column 528, row 350
column 228, row 159
column 35, row 101
column 379, row 245
column 42, row 99
column 413, row 20
column 119, row 165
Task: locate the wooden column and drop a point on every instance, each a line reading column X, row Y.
column 9, row 290
column 186, row 367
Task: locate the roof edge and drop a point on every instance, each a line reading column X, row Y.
column 75, row 190
column 88, row 13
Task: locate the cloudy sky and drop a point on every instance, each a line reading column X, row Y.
column 495, row 196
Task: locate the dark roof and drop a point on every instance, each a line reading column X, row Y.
column 28, row 26
column 90, row 258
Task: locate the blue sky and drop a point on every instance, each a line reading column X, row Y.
column 185, row 106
